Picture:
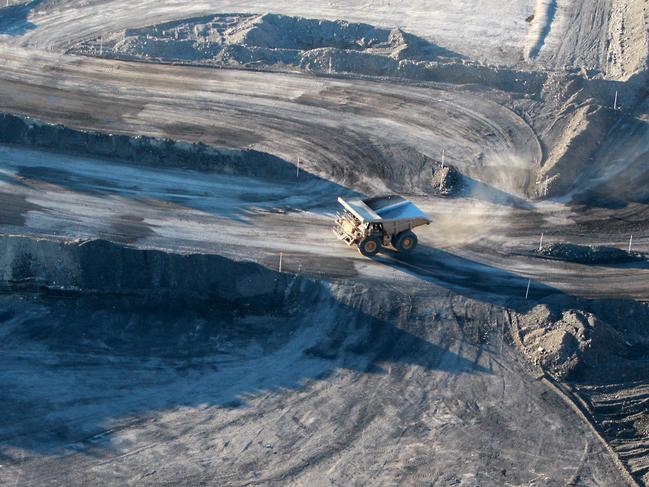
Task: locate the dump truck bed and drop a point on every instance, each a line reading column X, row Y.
column 360, row 210
column 395, row 207
column 384, row 208
column 394, row 213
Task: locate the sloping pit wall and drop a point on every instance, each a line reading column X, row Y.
column 461, row 72
column 332, row 61
column 143, row 150
column 151, row 278
column 585, row 119
column 97, row 274
column 585, row 128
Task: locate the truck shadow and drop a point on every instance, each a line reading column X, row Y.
column 469, row 278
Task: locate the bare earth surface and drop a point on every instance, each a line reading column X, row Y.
column 313, row 365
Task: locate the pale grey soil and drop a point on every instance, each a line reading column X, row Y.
column 173, row 352
column 321, row 385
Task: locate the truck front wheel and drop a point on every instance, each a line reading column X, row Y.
column 405, row 242
column 370, row 246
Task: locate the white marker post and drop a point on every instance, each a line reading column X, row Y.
column 502, row 335
column 630, row 243
column 280, row 262
column 615, row 102
column 527, row 292
column 541, row 242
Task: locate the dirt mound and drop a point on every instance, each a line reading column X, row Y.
column 556, row 343
column 628, row 46
column 446, row 179
column 234, row 37
column 541, row 22
column 586, row 125
column 282, row 42
column 587, row 341
column 589, row 254
column 298, row 33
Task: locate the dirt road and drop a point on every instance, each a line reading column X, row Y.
column 384, row 371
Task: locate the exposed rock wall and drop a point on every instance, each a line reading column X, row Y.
column 151, row 277
column 143, row 150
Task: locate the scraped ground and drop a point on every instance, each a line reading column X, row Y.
column 575, row 33
column 400, row 370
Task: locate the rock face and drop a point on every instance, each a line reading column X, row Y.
column 143, row 150
column 589, row 254
column 151, row 277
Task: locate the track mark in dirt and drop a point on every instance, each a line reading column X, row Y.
column 13, row 208
column 622, row 413
column 127, row 229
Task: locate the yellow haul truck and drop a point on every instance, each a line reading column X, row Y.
column 383, row 221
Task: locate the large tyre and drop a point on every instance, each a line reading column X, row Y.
column 405, row 242
column 370, row 246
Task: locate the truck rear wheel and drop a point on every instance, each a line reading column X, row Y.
column 405, row 242
column 369, row 246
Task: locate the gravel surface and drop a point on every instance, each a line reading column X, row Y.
column 163, row 322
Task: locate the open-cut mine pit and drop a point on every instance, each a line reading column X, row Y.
column 176, row 310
